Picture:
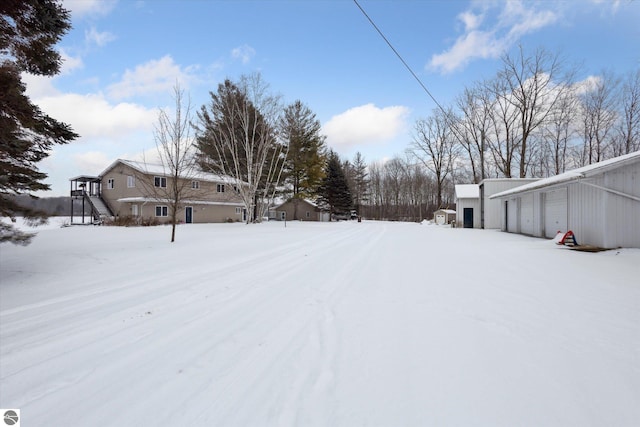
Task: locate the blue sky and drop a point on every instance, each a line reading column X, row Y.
column 122, row 59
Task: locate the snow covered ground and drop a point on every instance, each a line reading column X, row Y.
column 330, row 324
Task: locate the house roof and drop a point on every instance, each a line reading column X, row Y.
column 304, row 200
column 447, row 211
column 85, row 178
column 467, row 191
column 575, row 174
column 161, row 170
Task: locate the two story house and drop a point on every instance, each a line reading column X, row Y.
column 141, row 190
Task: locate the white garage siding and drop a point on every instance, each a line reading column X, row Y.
column 622, row 210
column 491, row 210
column 513, row 215
column 526, row 214
column 600, row 203
column 555, row 212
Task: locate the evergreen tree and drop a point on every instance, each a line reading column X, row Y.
column 334, row 192
column 29, row 29
column 304, row 167
column 360, row 185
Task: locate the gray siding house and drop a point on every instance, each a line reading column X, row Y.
column 138, row 190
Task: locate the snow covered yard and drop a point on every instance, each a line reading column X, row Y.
column 328, row 324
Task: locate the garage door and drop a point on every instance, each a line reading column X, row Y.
column 526, row 214
column 555, row 212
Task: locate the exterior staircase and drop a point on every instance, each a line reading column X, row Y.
column 99, row 208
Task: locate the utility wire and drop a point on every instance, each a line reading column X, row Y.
column 447, row 116
column 400, row 57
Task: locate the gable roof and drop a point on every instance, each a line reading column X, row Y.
column 301, row 199
column 467, row 191
column 161, row 170
column 575, row 174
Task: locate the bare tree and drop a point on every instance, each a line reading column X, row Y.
column 536, row 84
column 628, row 135
column 475, row 107
column 238, row 137
column 175, row 146
column 434, row 146
column 504, row 141
column 598, row 116
column 558, row 133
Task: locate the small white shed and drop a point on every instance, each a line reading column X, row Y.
column 600, row 203
column 444, row 216
column 467, row 205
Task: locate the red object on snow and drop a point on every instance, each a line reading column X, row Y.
column 569, row 239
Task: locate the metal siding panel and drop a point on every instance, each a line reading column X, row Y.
column 585, row 213
column 555, row 212
column 493, row 208
column 468, row 203
column 622, row 215
column 512, row 216
column 526, row 214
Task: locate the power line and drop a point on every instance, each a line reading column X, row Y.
column 400, row 57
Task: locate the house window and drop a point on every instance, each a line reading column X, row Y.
column 159, row 181
column 195, row 185
column 220, row 188
column 308, row 214
column 131, row 181
column 134, row 210
column 110, row 184
column 236, row 189
column 162, row 211
column 238, row 211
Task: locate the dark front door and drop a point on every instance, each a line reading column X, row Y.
column 467, row 215
column 188, row 215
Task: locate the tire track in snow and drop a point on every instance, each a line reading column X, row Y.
column 302, row 325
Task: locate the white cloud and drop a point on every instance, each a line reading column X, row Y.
column 94, row 37
column 42, row 86
column 514, row 21
column 470, row 20
column 366, row 124
column 38, row 86
column 244, row 53
column 91, row 116
column 81, row 8
column 70, row 63
column 156, row 76
column 614, row 5
column 589, row 84
column 91, row 162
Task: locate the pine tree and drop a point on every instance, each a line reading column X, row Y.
column 359, row 188
column 303, row 169
column 29, row 29
column 334, row 191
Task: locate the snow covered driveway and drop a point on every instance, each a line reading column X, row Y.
column 334, row 324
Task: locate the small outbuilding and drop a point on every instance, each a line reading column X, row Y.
column 467, row 205
column 600, row 203
column 444, row 216
column 474, row 205
column 297, row 209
